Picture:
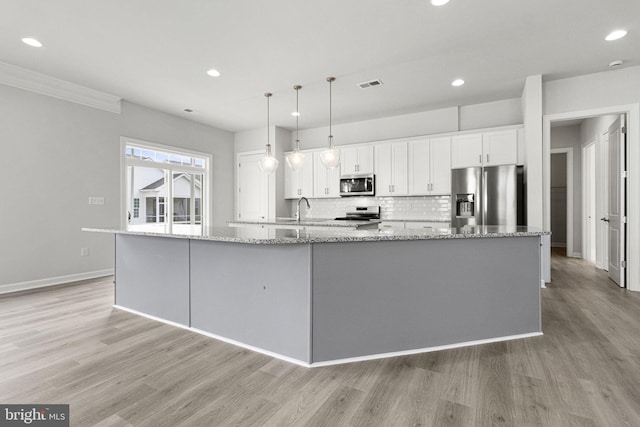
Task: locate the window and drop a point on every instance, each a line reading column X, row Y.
column 136, row 207
column 166, row 188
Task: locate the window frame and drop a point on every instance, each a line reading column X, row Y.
column 126, row 162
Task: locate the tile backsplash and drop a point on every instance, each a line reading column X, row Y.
column 426, row 208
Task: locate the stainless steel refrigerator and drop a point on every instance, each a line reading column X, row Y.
column 488, row 196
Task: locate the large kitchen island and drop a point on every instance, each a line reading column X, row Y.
column 316, row 297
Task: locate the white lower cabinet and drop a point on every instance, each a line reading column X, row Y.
column 391, row 169
column 326, row 182
column 425, row 225
column 391, row 225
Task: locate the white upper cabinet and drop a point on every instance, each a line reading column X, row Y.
column 485, row 149
column 391, row 169
column 466, row 150
column 356, row 160
column 430, row 166
column 326, row 182
column 299, row 183
column 500, row 147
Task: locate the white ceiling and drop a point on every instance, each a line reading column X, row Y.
column 156, row 52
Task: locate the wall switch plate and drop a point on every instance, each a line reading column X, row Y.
column 96, row 200
column 84, row 251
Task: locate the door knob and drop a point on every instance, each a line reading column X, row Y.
column 604, row 219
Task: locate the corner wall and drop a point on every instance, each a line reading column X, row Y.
column 57, row 154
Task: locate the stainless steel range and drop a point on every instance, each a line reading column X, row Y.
column 360, row 213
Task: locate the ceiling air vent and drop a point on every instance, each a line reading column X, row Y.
column 371, row 83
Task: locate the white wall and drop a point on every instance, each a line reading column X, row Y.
column 569, row 137
column 500, row 113
column 491, row 114
column 56, row 154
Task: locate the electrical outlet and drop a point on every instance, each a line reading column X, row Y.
column 96, row 200
column 84, row 251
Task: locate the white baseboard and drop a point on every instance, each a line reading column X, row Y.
column 337, row 361
column 53, row 281
column 575, row 255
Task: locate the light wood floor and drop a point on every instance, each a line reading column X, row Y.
column 68, row 345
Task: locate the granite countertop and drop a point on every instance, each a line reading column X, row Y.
column 258, row 235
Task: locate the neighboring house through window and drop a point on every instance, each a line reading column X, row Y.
column 166, row 187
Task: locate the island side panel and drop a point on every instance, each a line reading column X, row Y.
column 152, row 276
column 380, row 297
column 259, row 295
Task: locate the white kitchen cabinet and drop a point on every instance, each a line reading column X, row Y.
column 430, row 166
column 425, row 225
column 500, row 147
column 326, row 182
column 466, row 150
column 356, row 160
column 485, row 149
column 391, row 169
column 391, row 225
column 299, row 183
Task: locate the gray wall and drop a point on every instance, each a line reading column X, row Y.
column 56, row 154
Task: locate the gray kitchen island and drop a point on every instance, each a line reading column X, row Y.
column 324, row 297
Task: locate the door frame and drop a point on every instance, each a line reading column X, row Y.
column 589, row 194
column 633, row 182
column 569, row 153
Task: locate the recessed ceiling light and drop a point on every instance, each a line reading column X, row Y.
column 457, row 82
column 213, row 72
column 615, row 35
column 296, row 114
column 439, row 2
column 31, row 42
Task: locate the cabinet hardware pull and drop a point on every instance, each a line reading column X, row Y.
column 480, row 158
column 487, row 158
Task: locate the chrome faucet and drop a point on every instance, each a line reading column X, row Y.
column 298, row 207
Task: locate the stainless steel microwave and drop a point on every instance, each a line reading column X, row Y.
column 357, row 185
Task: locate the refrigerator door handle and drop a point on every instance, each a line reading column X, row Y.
column 484, row 197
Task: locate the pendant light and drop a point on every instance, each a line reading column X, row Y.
column 268, row 163
column 295, row 159
column 331, row 156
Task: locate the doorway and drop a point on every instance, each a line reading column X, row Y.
column 601, row 189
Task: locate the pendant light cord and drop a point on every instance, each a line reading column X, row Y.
column 268, row 95
column 297, row 118
column 330, row 80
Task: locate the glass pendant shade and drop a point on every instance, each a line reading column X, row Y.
column 295, row 159
column 331, row 156
column 268, row 163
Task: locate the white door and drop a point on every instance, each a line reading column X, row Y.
column 399, row 159
column 384, row 170
column 253, row 189
column 617, row 201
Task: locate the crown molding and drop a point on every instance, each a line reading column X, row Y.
column 23, row 78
